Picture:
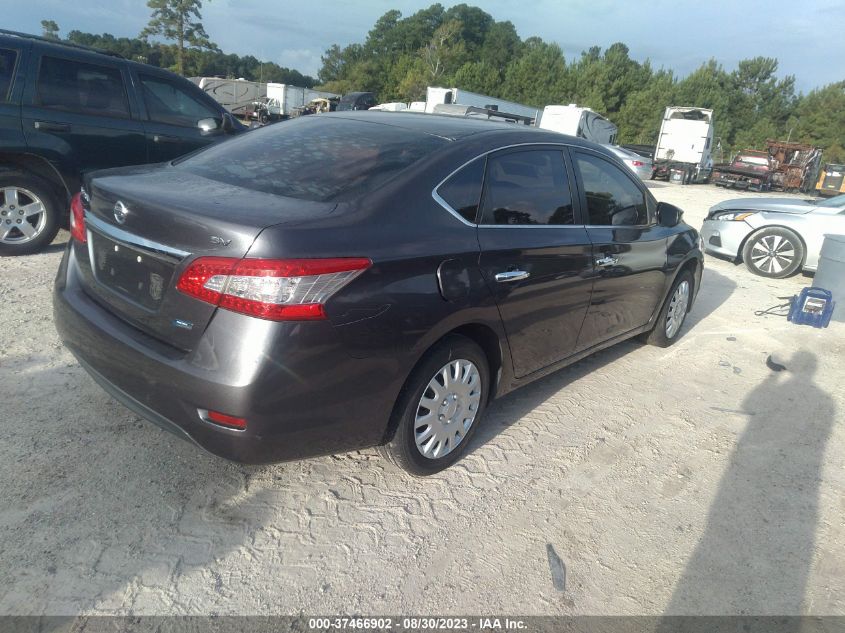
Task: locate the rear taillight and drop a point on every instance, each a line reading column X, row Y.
column 637, row 163
column 274, row 289
column 77, row 219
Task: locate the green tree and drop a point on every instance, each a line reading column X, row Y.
column 178, row 20
column 50, row 29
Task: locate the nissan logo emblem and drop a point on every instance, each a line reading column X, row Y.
column 120, row 212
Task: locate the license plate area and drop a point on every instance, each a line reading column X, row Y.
column 131, row 272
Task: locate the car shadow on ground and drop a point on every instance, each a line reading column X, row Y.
column 503, row 413
column 756, row 551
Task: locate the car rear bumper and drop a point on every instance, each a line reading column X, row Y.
column 724, row 237
column 300, row 391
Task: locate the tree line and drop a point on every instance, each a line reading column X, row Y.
column 465, row 47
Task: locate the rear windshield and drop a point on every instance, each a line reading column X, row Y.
column 313, row 158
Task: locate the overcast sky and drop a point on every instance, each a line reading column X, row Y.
column 808, row 38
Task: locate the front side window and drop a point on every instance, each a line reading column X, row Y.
column 168, row 103
column 612, row 198
column 527, row 188
column 7, row 69
column 462, row 191
column 66, row 84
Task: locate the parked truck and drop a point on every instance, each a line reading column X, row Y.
column 578, row 121
column 283, row 101
column 436, row 95
column 750, row 169
column 684, row 145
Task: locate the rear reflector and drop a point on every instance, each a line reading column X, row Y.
column 274, row 289
column 77, row 219
column 225, row 420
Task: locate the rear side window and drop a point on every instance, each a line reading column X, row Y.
column 527, row 187
column 168, row 103
column 612, row 198
column 7, row 69
column 65, row 84
column 315, row 158
column 462, row 191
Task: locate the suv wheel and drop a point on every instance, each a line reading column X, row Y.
column 440, row 407
column 773, row 252
column 29, row 214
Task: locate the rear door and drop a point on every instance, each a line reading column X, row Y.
column 179, row 117
column 12, row 76
column 78, row 114
column 629, row 249
column 535, row 254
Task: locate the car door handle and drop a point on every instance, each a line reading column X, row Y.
column 49, row 126
column 512, row 275
column 165, row 138
column 607, row 261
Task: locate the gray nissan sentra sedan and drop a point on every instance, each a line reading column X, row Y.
column 349, row 280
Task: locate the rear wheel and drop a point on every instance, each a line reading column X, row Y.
column 29, row 214
column 773, row 252
column 440, row 407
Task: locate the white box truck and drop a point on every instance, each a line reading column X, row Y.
column 284, row 99
column 233, row 94
column 436, row 95
column 578, row 121
column 684, row 150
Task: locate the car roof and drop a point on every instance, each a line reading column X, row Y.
column 454, row 128
column 59, row 43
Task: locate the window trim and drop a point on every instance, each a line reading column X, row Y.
column 583, row 194
column 7, row 98
column 36, row 95
column 564, row 147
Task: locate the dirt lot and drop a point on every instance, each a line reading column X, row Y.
column 638, row 481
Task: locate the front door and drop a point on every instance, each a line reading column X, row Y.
column 535, row 255
column 629, row 249
column 177, row 121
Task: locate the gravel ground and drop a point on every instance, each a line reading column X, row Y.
column 693, row 480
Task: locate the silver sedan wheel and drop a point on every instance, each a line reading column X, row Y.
column 772, row 254
column 447, row 408
column 23, row 215
column 678, row 305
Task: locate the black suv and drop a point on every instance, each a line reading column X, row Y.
column 356, row 101
column 67, row 109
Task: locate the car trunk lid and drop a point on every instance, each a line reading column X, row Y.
column 145, row 225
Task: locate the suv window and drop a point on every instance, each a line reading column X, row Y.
column 527, row 187
column 462, row 191
column 170, row 103
column 7, row 68
column 612, row 197
column 314, row 158
column 66, row 84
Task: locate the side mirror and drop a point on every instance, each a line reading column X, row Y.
column 668, row 215
column 228, row 123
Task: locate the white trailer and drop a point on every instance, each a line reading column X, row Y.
column 436, row 95
column 284, row 99
column 684, row 148
column 578, row 121
column 233, row 94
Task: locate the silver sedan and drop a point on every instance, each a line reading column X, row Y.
column 775, row 237
column 640, row 165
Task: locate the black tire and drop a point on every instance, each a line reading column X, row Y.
column 29, row 189
column 661, row 334
column 402, row 448
column 773, row 252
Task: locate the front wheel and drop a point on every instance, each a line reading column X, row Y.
column 440, row 407
column 773, row 252
column 673, row 313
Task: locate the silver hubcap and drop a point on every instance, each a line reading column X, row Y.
column 22, row 215
column 678, row 305
column 447, row 408
column 772, row 254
